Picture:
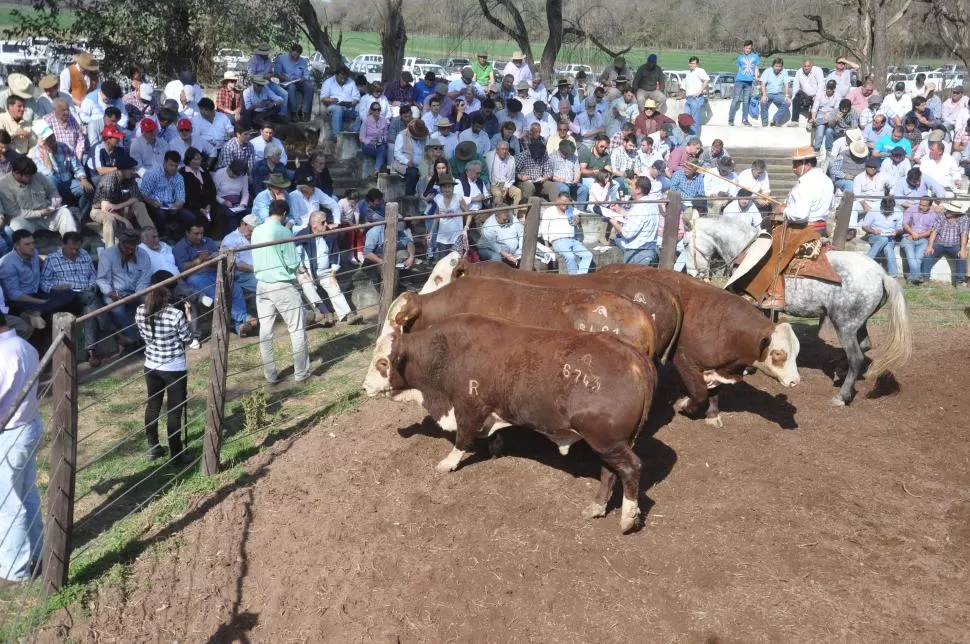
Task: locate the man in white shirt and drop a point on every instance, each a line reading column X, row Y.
column 518, row 69
column 810, row 200
column 897, row 105
column 187, row 139
column 266, row 136
column 744, row 210
column 502, row 238
column 501, row 173
column 159, row 253
column 637, row 231
column 809, row 83
column 557, row 228
column 239, row 238
column 755, row 180
column 340, row 94
column 842, row 76
column 954, row 111
column 543, row 118
column 941, row 167
column 315, row 259
column 447, row 138
column 148, row 150
column 695, row 83
column 869, row 188
column 212, row 126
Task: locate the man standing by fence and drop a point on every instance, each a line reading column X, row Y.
column 276, row 292
column 20, row 545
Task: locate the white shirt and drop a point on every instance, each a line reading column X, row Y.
column 482, row 141
column 713, row 184
column 750, row 215
column 547, row 125
column 197, row 142
column 875, row 187
column 950, row 111
column 216, row 132
column 162, row 259
column 760, row 185
column 303, row 207
column 810, row 199
column 363, row 108
column 449, row 227
column 473, row 192
column 893, row 107
column 259, row 145
column 146, row 154
column 554, row 225
column 344, row 93
column 323, row 257
column 501, row 173
column 946, row 172
column 694, row 81
column 235, row 239
column 895, row 171
column 523, row 73
column 18, row 362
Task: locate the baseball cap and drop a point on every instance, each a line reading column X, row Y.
column 898, row 151
column 111, row 132
column 873, row 162
column 148, row 125
column 831, row 84
column 184, row 124
column 685, row 119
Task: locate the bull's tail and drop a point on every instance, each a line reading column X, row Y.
column 678, row 323
column 900, row 346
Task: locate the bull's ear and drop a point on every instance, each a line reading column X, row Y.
column 404, row 319
column 381, row 365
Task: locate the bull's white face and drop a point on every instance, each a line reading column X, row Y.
column 780, row 356
column 441, row 274
column 378, row 378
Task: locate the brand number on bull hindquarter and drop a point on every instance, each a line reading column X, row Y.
column 587, row 379
column 592, row 328
column 472, row 387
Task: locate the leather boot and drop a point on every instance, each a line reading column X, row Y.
column 775, row 297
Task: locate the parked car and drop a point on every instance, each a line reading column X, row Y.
column 231, row 59
column 16, row 56
column 721, row 85
column 419, row 70
column 410, row 62
column 453, row 65
column 675, row 81
column 360, row 63
column 574, row 68
column 372, row 72
column 951, row 69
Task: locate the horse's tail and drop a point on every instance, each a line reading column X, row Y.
column 900, row 347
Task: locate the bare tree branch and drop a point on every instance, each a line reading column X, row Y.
column 899, row 14
column 519, row 33
column 582, row 34
column 826, row 35
column 773, row 49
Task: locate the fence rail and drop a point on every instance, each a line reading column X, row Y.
column 210, row 423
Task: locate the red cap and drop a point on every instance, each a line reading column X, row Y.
column 148, row 125
column 183, row 124
column 685, row 120
column 111, row 132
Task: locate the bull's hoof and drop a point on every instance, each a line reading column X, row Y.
column 629, row 523
column 683, row 404
column 496, row 446
column 838, row 402
column 594, row 510
column 715, row 421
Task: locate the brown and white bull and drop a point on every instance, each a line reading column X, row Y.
column 477, row 374
column 655, row 298
column 722, row 335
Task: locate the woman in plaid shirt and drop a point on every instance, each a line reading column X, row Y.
column 165, row 331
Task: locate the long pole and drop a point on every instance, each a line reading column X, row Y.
column 734, row 183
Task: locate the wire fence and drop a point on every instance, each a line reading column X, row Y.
column 112, row 450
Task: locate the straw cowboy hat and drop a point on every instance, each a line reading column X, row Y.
column 48, row 81
column 86, row 62
column 20, row 85
column 228, row 76
column 277, row 181
column 802, row 153
column 858, row 149
column 958, row 207
column 263, row 49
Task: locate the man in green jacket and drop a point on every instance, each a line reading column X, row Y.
column 275, row 268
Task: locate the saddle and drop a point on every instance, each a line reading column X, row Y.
column 789, row 252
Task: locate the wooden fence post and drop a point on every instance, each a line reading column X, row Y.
column 668, row 253
column 218, row 367
column 59, row 527
column 389, row 267
column 531, row 235
column 842, row 216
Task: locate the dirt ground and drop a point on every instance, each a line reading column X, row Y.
column 796, row 522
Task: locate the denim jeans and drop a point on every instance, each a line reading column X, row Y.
column 72, row 193
column 304, row 86
column 846, row 186
column 913, row 251
column 886, row 244
column 411, row 176
column 337, row 115
column 246, row 281
column 693, row 106
column 959, row 270
column 282, row 93
column 379, row 152
column 577, row 257
column 742, row 96
column 20, row 513
column 123, row 317
column 645, row 256
column 780, row 103
column 819, row 138
column 206, row 284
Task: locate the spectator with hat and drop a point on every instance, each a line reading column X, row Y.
column 616, row 68
column 465, row 80
column 66, row 128
column 57, row 163
column 465, row 153
column 560, row 96
column 409, row 153
column 447, row 138
column 649, row 83
column 50, row 90
column 276, row 188
column 229, row 99
column 522, row 89
column 482, row 69
column 849, row 164
column 111, row 117
column 518, row 69
column 80, row 78
column 683, row 132
column 868, row 115
column 261, row 64
column 897, row 105
column 106, row 155
column 650, row 120
column 20, row 85
column 896, row 166
column 294, row 73
column 186, row 139
column 948, row 238
column 148, row 150
column 240, row 237
column 95, row 103
column 259, row 103
column 118, row 202
column 340, row 96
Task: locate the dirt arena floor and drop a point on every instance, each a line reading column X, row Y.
column 796, row 522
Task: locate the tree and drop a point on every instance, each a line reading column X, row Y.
column 393, row 38
column 320, row 36
column 867, row 40
column 952, row 21
column 507, row 18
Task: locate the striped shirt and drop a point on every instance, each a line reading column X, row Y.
column 160, row 187
column 165, row 335
column 68, row 132
column 79, row 273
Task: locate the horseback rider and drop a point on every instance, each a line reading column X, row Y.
column 803, row 219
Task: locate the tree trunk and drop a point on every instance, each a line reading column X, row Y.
column 393, row 38
column 320, row 36
column 547, row 64
column 880, row 48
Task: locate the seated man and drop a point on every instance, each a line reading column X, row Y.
column 277, row 187
column 123, row 270
column 869, row 188
column 238, row 238
column 533, row 168
column 565, row 171
column 57, row 162
column 213, row 127
column 374, row 253
column 744, row 209
column 194, row 249
column 259, row 104
column 501, row 168
column 315, row 257
column 884, row 224
column 93, row 107
column 502, row 238
column 340, row 96
column 30, row 202
column 159, row 253
column 70, row 270
column 637, row 233
column 163, row 190
column 267, row 136
column 294, row 74
column 13, row 121
column 558, row 228
column 20, row 277
column 118, row 202
column 232, row 194
column 148, row 150
column 261, row 64
column 949, row 239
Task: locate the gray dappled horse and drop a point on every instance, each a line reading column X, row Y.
column 865, row 288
